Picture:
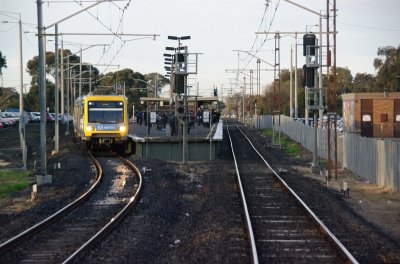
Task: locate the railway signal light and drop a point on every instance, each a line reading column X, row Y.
column 179, row 83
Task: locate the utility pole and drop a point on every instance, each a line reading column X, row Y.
column 21, row 86
column 56, row 85
column 62, row 78
column 277, row 89
column 43, row 178
column 296, row 107
column 68, row 94
column 291, row 83
column 258, row 93
column 21, row 96
column 244, row 99
column 80, row 73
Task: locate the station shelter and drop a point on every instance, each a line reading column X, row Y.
column 158, row 106
column 375, row 115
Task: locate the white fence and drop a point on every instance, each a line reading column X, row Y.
column 373, row 159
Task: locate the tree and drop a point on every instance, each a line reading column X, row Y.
column 9, row 98
column 344, row 79
column 136, row 85
column 267, row 102
column 32, row 102
column 233, row 105
column 388, row 66
column 3, row 63
column 363, row 82
column 161, row 81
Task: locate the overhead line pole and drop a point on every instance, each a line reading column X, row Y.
column 43, row 177
column 56, row 133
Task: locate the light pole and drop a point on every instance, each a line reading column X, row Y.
column 21, row 91
column 258, row 93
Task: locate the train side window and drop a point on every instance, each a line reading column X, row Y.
column 82, row 110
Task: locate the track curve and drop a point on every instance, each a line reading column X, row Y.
column 67, row 233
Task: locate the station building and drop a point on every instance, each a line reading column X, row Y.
column 375, row 115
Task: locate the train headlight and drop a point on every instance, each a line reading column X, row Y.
column 90, row 128
column 122, row 129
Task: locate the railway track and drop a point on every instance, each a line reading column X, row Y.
column 282, row 229
column 67, row 234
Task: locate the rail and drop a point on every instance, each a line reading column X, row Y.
column 246, row 211
column 114, row 220
column 323, row 227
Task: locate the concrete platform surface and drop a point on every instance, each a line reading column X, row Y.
column 159, row 133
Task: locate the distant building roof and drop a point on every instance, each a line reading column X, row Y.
column 381, row 95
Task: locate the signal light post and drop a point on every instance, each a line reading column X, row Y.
column 179, row 72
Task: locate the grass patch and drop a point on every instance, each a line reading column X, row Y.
column 12, row 181
column 291, row 147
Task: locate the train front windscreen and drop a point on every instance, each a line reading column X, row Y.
column 105, row 112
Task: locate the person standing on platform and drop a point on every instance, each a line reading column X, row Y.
column 164, row 119
column 199, row 117
column 148, row 122
column 140, row 117
column 173, row 125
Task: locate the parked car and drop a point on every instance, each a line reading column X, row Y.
column 8, row 120
column 34, row 117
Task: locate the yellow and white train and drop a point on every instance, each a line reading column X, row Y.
column 101, row 121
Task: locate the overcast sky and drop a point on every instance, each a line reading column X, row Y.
column 216, row 27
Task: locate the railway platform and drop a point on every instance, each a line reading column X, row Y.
column 167, row 143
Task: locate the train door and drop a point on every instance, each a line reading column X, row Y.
column 397, row 118
column 367, row 128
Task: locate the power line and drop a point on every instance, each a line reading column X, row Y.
column 261, row 22
column 265, row 39
column 369, row 27
column 122, row 10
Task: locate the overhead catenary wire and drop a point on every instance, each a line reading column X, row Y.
column 109, row 28
column 261, row 22
column 254, row 51
column 368, row 27
column 266, row 36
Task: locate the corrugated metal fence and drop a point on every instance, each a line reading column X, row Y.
column 373, row 159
